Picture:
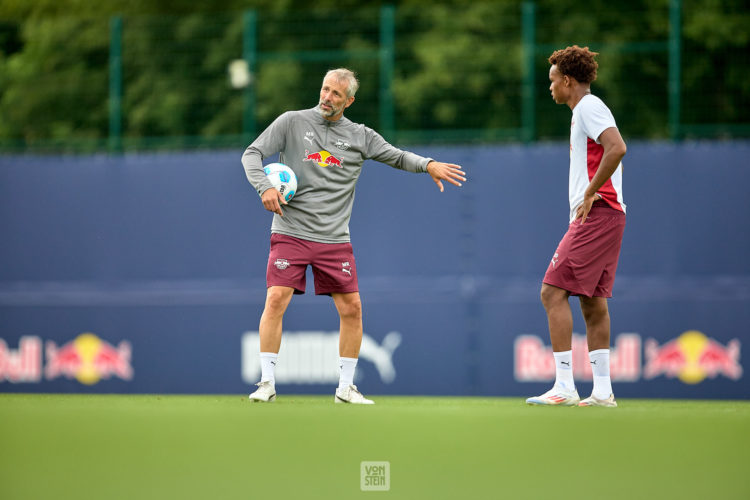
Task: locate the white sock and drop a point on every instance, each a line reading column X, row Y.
column 599, row 360
column 564, row 370
column 267, row 367
column 346, row 374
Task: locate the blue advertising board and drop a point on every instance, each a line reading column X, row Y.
column 145, row 274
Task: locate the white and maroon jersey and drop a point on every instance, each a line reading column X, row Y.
column 591, row 117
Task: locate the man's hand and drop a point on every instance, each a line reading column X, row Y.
column 584, row 208
column 614, row 149
column 272, row 200
column 445, row 172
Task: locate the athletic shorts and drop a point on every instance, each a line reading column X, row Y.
column 332, row 264
column 586, row 259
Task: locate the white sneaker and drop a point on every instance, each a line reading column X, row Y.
column 351, row 395
column 556, row 396
column 266, row 392
column 592, row 401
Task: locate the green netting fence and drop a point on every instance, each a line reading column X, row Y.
column 477, row 73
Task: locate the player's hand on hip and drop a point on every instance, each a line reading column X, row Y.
column 272, row 200
column 584, row 208
column 445, row 172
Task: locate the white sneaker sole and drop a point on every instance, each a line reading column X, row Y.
column 337, row 400
column 597, row 402
column 258, row 400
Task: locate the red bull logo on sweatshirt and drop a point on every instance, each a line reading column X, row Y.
column 323, row 159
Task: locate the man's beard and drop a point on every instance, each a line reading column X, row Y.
column 332, row 112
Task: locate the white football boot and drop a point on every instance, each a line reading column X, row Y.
column 351, row 395
column 266, row 392
column 557, row 396
column 592, row 401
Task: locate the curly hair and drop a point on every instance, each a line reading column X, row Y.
column 576, row 62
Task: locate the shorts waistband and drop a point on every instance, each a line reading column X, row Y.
column 601, row 205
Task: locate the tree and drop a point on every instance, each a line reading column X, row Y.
column 458, row 66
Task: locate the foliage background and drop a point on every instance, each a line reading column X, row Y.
column 457, row 74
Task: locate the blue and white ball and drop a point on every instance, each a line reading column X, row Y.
column 283, row 178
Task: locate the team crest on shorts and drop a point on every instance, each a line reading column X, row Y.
column 281, row 264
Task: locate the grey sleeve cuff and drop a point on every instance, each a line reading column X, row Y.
column 423, row 166
column 415, row 163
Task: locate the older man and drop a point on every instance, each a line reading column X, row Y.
column 326, row 151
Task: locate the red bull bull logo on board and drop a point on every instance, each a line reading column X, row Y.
column 692, row 357
column 88, row 359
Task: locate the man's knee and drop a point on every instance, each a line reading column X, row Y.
column 277, row 300
column 350, row 308
column 594, row 308
column 551, row 295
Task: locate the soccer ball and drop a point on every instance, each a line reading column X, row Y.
column 282, row 178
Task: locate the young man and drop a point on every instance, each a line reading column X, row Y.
column 326, row 152
column 585, row 261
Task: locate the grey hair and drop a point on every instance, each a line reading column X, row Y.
column 345, row 75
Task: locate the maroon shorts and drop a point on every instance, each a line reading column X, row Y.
column 586, row 259
column 333, row 265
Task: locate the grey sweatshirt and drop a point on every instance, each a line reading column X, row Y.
column 327, row 158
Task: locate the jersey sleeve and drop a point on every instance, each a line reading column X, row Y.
column 378, row 149
column 269, row 142
column 595, row 118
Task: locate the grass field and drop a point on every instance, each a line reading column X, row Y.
column 224, row 447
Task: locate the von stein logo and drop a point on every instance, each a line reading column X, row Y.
column 87, row 358
column 311, row 357
column 375, row 476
